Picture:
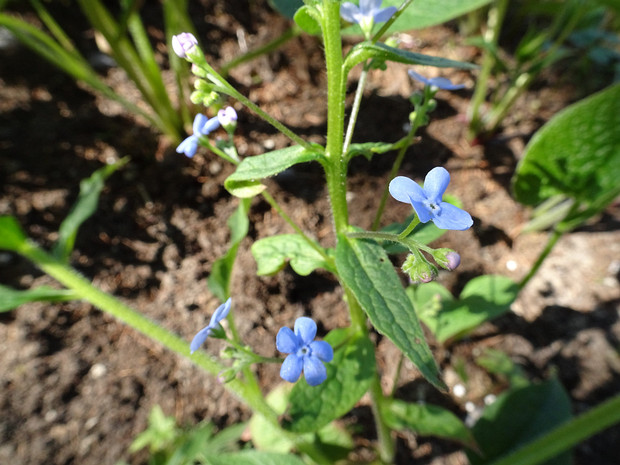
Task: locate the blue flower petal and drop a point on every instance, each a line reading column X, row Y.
column 445, row 83
column 210, row 126
column 199, row 122
column 220, row 313
column 199, row 339
column 384, row 14
column 435, row 183
column 314, row 371
column 349, row 12
column 291, row 368
column 422, row 210
column 188, row 146
column 286, row 341
column 305, row 329
column 452, row 217
column 368, row 7
column 404, row 189
column 322, row 350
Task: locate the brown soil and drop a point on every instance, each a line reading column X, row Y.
column 77, row 386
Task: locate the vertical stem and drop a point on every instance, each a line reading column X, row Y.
column 336, row 166
column 387, row 447
column 553, row 239
column 355, row 109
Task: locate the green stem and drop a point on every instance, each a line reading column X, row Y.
column 553, row 239
column 387, row 445
column 336, row 165
column 262, row 50
column 567, row 435
column 359, row 93
column 388, row 23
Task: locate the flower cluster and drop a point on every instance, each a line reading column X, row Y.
column 427, row 201
column 203, row 126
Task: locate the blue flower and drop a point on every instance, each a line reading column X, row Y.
column 427, row 201
column 367, row 14
column 183, row 43
column 305, row 353
column 228, row 118
column 202, row 126
column 204, row 333
column 438, row 82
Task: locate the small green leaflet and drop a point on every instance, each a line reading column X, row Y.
column 12, row 237
column 272, row 254
column 348, row 377
column 245, row 181
column 254, row 457
column 483, row 298
column 365, row 268
column 84, row 207
column 221, row 271
column 367, row 50
column 427, row 420
column 12, row 298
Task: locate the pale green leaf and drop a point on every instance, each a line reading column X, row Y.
column 245, row 181
column 272, row 254
column 12, row 298
column 12, row 236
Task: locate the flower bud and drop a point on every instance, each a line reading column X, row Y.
column 197, row 97
column 184, row 44
column 198, row 71
column 228, row 119
column 419, row 269
column 447, row 258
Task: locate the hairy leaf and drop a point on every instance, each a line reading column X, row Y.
column 365, row 268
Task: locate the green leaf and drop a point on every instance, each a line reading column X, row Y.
column 266, row 436
column 367, row 50
column 85, row 206
column 483, row 298
column 272, row 253
column 218, row 281
column 368, row 149
column 348, row 377
column 12, row 237
column 286, row 7
column 427, row 420
column 365, row 268
column 245, row 181
column 254, row 457
column 577, row 153
column 426, row 13
column 306, row 19
column 519, row 416
column 12, row 298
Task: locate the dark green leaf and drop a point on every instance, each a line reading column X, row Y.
column 219, row 279
column 427, row 420
column 482, row 299
column 272, row 253
column 518, row 417
column 348, row 377
column 365, row 268
column 577, row 153
column 11, row 235
column 245, row 181
column 367, row 50
column 12, row 298
column 85, row 206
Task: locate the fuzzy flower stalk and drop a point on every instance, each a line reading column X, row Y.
column 305, row 354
